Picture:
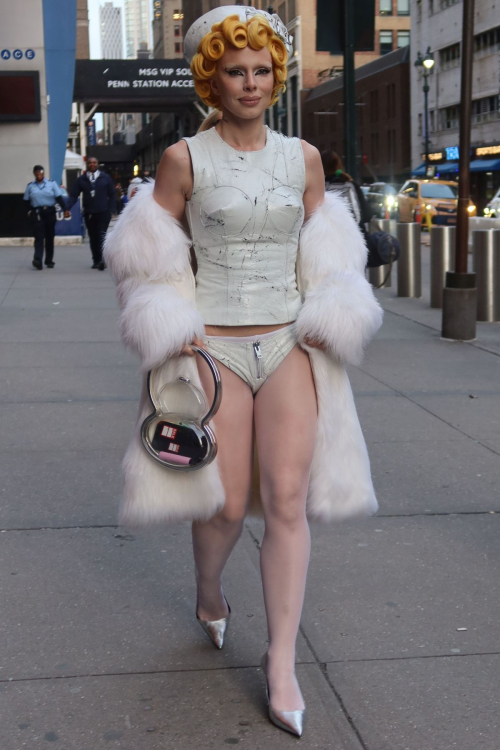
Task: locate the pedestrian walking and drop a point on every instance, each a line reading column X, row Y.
column 280, row 323
column 41, row 196
column 99, row 202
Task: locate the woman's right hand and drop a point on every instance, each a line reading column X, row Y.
column 186, row 350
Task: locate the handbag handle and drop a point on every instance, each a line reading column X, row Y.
column 215, row 372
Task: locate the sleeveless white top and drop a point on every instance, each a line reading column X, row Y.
column 245, row 215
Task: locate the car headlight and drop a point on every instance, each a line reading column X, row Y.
column 471, row 209
column 428, row 207
column 390, row 201
column 487, row 211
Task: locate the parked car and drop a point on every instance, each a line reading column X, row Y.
column 437, row 199
column 492, row 210
column 382, row 199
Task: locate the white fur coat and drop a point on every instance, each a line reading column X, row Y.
column 148, row 255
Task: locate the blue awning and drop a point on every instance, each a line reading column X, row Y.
column 447, row 167
column 478, row 165
column 485, row 165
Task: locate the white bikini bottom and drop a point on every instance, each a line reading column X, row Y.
column 253, row 358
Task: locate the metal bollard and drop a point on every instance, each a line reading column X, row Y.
column 377, row 275
column 442, row 260
column 409, row 263
column 486, row 249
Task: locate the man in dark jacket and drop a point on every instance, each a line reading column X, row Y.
column 99, row 202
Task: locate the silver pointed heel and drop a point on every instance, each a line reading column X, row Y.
column 216, row 629
column 289, row 721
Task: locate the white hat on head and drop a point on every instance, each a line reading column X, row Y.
column 204, row 24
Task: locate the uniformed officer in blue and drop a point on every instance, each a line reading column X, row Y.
column 99, row 202
column 42, row 195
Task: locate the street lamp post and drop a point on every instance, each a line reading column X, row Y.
column 427, row 63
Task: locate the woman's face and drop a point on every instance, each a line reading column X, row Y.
column 244, row 81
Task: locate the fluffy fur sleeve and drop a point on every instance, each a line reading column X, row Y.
column 156, row 322
column 148, row 255
column 339, row 309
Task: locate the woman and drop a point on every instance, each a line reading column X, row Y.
column 270, row 319
column 335, row 175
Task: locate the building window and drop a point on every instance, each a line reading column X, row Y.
column 419, row 129
column 485, row 109
column 391, row 100
column 449, row 57
column 385, row 42
column 403, row 7
column 178, row 15
column 403, row 39
column 177, row 30
column 449, row 118
column 386, row 7
column 487, row 43
column 431, row 120
column 292, row 11
column 282, row 12
column 178, row 47
column 443, row 4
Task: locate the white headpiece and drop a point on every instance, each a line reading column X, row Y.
column 204, row 24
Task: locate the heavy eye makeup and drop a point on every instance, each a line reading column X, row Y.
column 233, row 72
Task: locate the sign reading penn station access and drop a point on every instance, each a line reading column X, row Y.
column 111, row 82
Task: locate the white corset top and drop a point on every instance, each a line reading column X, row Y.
column 245, row 215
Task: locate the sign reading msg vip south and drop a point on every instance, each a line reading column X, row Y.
column 112, row 80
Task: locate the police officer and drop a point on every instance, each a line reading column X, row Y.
column 41, row 196
column 99, row 202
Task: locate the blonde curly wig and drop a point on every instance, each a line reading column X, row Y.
column 255, row 33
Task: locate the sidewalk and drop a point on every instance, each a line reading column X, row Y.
column 399, row 644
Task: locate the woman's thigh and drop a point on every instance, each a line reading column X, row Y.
column 285, row 425
column 233, row 426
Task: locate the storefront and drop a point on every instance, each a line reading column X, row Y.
column 484, row 171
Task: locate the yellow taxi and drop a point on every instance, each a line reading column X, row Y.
column 430, row 202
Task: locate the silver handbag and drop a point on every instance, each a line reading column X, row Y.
column 177, row 434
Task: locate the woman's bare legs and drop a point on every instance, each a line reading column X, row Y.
column 285, row 423
column 214, row 540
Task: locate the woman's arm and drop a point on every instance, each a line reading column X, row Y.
column 148, row 255
column 174, row 180
column 314, row 194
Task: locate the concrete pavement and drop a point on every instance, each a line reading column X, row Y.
column 398, row 648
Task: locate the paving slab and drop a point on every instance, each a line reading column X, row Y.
column 57, row 325
column 182, row 711
column 477, row 417
column 434, row 367
column 393, row 588
column 46, row 298
column 455, row 476
column 70, row 354
column 394, row 419
column 66, row 426
column 51, row 384
column 423, row 704
column 60, row 488
column 100, row 601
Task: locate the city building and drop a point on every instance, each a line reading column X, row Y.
column 137, row 26
column 308, row 67
column 383, row 117
column 110, row 17
column 38, row 58
column 82, row 30
column 168, row 33
column 437, row 24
